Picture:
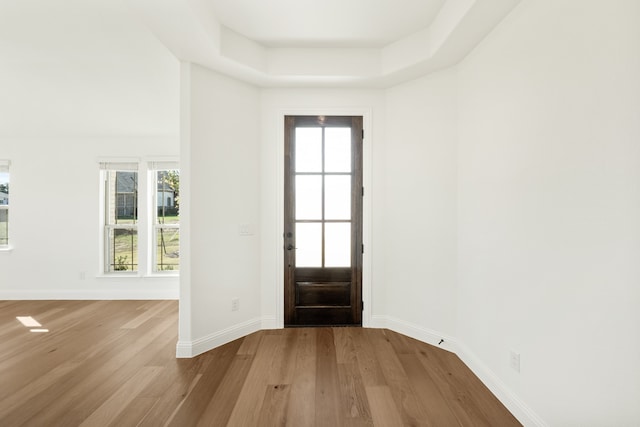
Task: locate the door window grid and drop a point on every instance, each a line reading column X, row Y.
column 312, row 240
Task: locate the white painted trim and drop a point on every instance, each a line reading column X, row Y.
column 367, row 173
column 510, row 400
column 367, row 222
column 187, row 349
column 279, row 302
column 270, row 322
column 419, row 333
column 117, row 160
column 103, row 294
column 518, row 408
column 183, row 350
column 184, row 306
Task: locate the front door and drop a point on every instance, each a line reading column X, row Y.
column 323, row 220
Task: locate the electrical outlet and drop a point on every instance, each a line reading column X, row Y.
column 514, row 360
column 235, row 304
column 245, row 230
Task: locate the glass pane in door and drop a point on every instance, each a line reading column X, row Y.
column 337, row 202
column 337, row 244
column 308, row 197
column 337, row 150
column 308, row 245
column 308, row 149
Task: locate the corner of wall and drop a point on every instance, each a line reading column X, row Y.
column 513, row 403
column 188, row 349
column 518, row 408
column 414, row 331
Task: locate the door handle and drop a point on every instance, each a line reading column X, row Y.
column 290, row 247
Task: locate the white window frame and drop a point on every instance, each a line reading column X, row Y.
column 153, row 168
column 4, row 167
column 120, row 165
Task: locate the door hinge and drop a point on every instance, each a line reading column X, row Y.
column 362, row 191
column 361, row 305
column 363, row 134
column 363, row 248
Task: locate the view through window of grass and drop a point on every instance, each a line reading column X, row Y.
column 122, row 220
column 4, row 205
column 167, row 222
column 124, row 255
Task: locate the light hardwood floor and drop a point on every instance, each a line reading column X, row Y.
column 112, row 363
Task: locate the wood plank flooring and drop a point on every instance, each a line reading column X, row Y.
column 112, row 363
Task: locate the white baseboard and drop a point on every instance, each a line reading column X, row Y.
column 419, row 333
column 109, row 294
column 510, row 400
column 186, row 349
column 518, row 408
column 269, row 322
column 513, row 403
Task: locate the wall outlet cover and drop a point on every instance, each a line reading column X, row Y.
column 514, row 360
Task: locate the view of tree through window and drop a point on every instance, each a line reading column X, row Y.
column 4, row 203
column 167, row 223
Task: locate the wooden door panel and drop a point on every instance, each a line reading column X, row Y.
column 325, row 294
column 310, row 274
column 309, row 294
column 315, row 316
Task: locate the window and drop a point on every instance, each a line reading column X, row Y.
column 140, row 219
column 121, row 217
column 4, row 203
column 166, row 223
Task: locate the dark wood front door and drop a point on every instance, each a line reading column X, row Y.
column 323, row 220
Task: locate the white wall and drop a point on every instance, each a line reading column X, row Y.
column 418, row 233
column 549, row 201
column 221, row 160
column 54, row 219
column 77, row 83
column 83, row 69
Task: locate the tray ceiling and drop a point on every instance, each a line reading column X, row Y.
column 354, row 43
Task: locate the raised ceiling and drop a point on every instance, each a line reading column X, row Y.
column 354, row 43
column 336, row 24
column 108, row 67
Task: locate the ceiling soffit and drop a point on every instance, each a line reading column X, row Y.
column 193, row 32
column 328, row 24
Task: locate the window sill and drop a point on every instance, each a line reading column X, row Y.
column 154, row 275
column 118, row 275
column 137, row 276
column 6, row 248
